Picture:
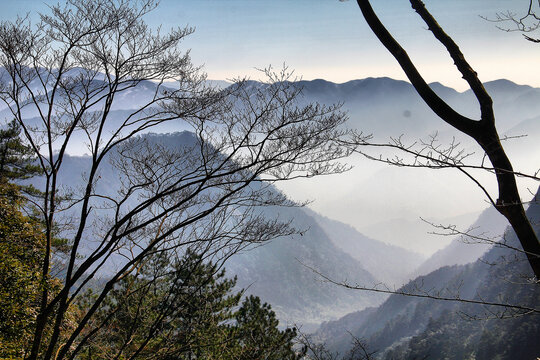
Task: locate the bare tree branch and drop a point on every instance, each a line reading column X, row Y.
column 483, row 131
column 67, row 81
column 517, row 310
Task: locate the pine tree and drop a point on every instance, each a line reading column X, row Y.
column 16, row 159
column 184, row 310
column 21, row 253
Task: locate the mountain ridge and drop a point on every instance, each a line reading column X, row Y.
column 415, row 327
column 275, row 272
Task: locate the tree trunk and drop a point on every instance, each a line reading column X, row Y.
column 483, row 131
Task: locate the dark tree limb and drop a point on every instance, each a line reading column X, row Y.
column 483, row 131
column 514, row 309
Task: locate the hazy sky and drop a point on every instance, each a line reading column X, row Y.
column 329, row 39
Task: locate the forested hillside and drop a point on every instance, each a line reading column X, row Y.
column 406, row 327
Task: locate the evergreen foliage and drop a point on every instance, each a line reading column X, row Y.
column 185, row 309
column 17, row 160
column 258, row 333
column 22, row 245
column 21, row 253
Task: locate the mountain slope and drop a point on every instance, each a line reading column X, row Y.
column 277, row 273
column 273, row 271
column 502, row 333
column 413, row 327
column 375, row 256
column 466, row 249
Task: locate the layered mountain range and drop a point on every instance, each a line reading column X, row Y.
column 281, row 271
column 447, row 313
column 388, row 203
column 384, row 203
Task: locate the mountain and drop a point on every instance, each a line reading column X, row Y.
column 396, row 319
column 131, row 94
column 276, row 271
column 512, row 102
column 467, row 249
column 369, row 194
column 374, row 195
column 522, row 144
column 469, row 331
column 375, row 256
column 386, row 106
column 415, row 327
column 367, row 102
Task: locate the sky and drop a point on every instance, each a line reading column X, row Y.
column 328, row 38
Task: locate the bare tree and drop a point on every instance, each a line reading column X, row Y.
column 525, row 22
column 319, row 351
column 483, row 130
column 63, row 80
column 315, row 350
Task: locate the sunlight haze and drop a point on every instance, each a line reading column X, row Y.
column 328, row 39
